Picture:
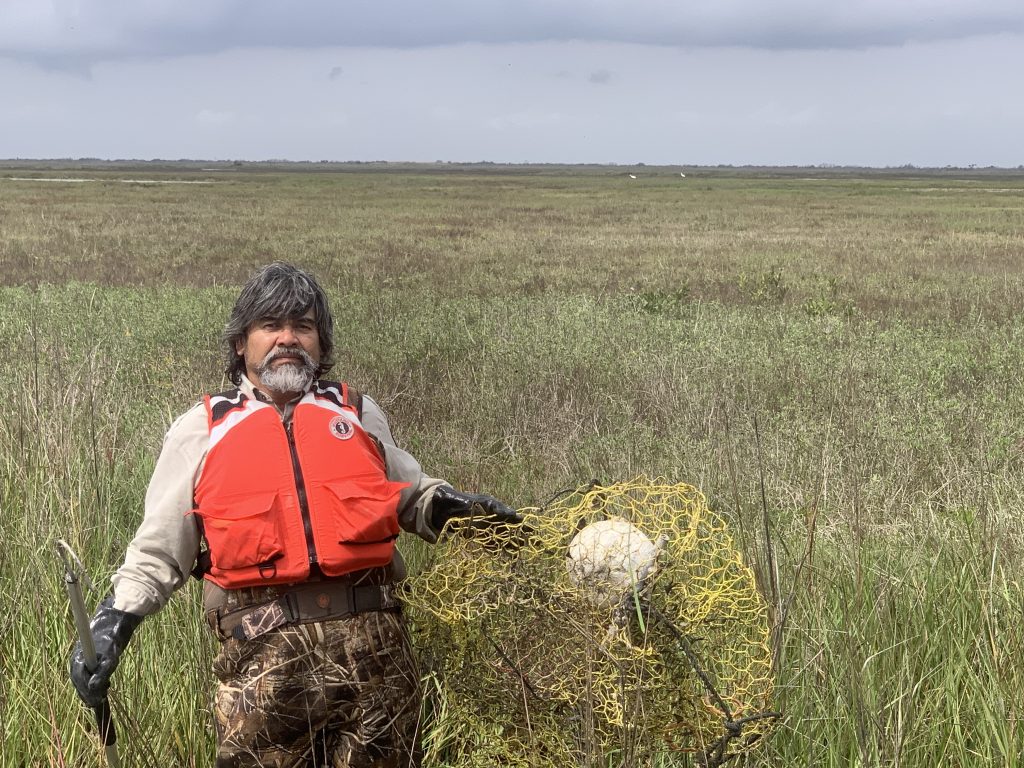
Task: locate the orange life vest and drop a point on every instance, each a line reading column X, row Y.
column 274, row 502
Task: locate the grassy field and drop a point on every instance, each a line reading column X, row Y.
column 852, row 343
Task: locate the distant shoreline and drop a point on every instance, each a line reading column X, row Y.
column 810, row 172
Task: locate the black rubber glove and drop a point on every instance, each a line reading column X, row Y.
column 111, row 631
column 487, row 510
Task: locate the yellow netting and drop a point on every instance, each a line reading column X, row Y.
column 542, row 658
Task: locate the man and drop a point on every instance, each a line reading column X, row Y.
column 286, row 494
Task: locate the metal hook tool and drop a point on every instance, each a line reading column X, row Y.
column 74, row 576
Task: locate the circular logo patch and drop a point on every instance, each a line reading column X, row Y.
column 341, row 428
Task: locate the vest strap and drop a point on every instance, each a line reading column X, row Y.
column 354, row 399
column 203, row 559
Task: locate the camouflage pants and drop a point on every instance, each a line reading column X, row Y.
column 342, row 693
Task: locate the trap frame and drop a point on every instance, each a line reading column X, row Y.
column 528, row 668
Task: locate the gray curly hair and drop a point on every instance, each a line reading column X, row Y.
column 278, row 290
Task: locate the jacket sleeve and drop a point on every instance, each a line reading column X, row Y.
column 164, row 549
column 414, row 505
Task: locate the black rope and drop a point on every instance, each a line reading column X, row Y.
column 581, row 489
column 733, row 726
column 505, row 657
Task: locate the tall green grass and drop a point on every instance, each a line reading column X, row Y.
column 856, row 347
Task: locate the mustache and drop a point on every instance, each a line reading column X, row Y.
column 277, row 352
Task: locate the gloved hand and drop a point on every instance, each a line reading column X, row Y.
column 448, row 503
column 111, row 631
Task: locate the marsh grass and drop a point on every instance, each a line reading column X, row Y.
column 530, row 334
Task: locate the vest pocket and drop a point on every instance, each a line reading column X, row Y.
column 363, row 511
column 243, row 533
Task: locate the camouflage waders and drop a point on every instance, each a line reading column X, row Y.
column 342, row 693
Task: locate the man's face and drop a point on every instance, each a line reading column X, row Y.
column 279, row 352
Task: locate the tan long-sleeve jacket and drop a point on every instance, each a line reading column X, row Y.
column 164, row 550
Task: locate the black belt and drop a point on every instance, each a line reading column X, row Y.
column 316, row 601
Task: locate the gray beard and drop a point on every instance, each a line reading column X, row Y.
column 289, row 377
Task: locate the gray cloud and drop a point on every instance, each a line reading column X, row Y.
column 63, row 32
column 928, row 104
column 600, row 77
column 335, row 73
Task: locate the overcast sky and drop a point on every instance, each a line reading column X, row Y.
column 774, row 82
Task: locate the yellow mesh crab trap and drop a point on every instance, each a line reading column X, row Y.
column 619, row 621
